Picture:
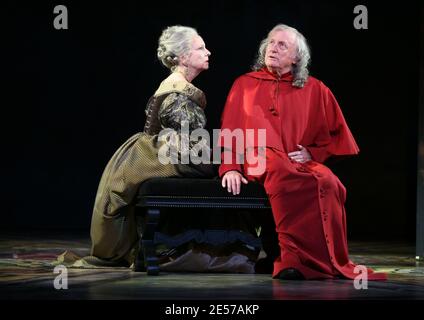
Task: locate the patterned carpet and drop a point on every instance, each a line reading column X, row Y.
column 28, row 263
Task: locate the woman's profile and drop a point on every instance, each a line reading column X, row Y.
column 113, row 227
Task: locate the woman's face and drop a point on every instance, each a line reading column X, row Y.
column 198, row 57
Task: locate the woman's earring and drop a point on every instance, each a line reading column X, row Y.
column 186, row 72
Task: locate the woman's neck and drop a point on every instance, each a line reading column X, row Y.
column 185, row 73
column 176, row 76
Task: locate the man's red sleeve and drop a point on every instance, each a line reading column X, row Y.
column 334, row 137
column 231, row 119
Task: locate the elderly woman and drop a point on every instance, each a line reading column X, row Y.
column 113, row 228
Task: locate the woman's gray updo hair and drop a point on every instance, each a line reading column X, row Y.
column 303, row 56
column 174, row 42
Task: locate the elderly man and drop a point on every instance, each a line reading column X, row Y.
column 304, row 127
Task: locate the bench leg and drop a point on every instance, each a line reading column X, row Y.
column 146, row 257
column 139, row 264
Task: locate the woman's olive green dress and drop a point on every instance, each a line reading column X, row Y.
column 113, row 227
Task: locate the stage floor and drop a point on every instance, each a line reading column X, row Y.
column 26, row 272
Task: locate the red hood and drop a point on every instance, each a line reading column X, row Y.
column 265, row 74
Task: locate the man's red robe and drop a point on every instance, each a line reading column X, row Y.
column 307, row 199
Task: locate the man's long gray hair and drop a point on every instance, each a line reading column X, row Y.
column 300, row 69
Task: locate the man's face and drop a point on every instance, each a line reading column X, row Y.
column 280, row 53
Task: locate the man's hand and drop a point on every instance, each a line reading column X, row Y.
column 301, row 156
column 232, row 181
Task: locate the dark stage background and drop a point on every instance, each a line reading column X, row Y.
column 73, row 96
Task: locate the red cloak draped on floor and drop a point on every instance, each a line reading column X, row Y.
column 307, row 199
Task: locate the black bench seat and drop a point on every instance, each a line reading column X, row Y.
column 157, row 193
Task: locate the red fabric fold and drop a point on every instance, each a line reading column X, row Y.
column 307, row 199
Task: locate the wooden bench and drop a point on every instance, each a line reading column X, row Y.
column 159, row 193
